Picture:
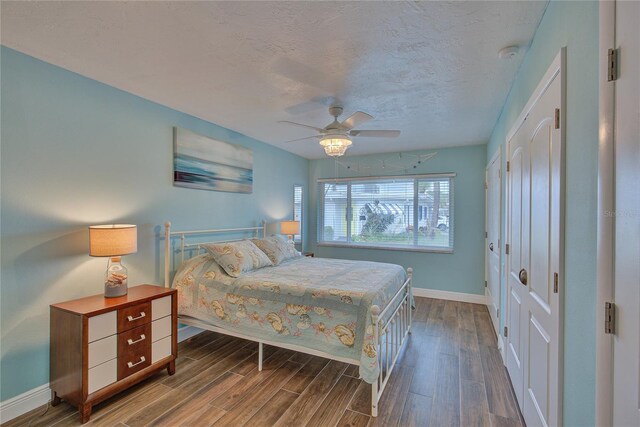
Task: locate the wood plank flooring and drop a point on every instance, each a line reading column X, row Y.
column 450, row 373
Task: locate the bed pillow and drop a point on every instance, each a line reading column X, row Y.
column 277, row 249
column 238, row 257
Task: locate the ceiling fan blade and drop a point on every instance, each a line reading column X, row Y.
column 356, row 119
column 303, row 139
column 302, row 125
column 376, row 133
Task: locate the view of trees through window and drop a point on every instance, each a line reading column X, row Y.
column 410, row 211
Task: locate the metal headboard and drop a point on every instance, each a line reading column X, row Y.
column 168, row 235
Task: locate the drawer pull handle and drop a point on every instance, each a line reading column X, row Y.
column 131, row 364
column 131, row 318
column 131, row 342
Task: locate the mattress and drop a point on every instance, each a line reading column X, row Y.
column 317, row 303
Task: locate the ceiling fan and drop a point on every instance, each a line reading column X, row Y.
column 337, row 136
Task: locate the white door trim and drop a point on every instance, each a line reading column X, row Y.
column 605, row 224
column 557, row 67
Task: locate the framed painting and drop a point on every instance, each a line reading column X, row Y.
column 207, row 164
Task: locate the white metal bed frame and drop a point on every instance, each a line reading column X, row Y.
column 388, row 337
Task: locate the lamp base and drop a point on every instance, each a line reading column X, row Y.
column 115, row 283
column 115, row 291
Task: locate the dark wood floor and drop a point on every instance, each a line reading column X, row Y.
column 450, row 374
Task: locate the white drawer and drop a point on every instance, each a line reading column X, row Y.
column 160, row 307
column 103, row 325
column 102, row 350
column 160, row 328
column 161, row 349
column 102, row 375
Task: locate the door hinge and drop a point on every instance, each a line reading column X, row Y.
column 506, row 331
column 507, row 249
column 557, row 118
column 508, row 167
column 485, row 283
column 612, row 65
column 486, row 186
column 555, row 283
column 486, row 234
column 609, row 318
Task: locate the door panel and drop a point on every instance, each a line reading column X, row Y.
column 538, row 390
column 516, row 237
column 541, row 304
column 540, row 192
column 515, row 310
column 514, row 346
column 516, row 211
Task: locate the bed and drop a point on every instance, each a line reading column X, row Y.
column 352, row 311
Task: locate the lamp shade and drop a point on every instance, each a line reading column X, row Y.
column 113, row 240
column 290, row 227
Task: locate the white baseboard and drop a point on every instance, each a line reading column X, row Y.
column 30, row 400
column 25, row 402
column 187, row 332
column 501, row 348
column 448, row 295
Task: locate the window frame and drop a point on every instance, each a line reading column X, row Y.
column 407, row 248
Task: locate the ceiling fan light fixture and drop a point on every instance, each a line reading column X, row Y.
column 335, row 145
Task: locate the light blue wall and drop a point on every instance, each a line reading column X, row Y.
column 462, row 271
column 574, row 25
column 77, row 152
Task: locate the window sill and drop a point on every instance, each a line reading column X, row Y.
column 388, row 248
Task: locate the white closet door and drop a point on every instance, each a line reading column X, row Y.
column 534, row 259
column 493, row 239
column 518, row 256
column 626, row 341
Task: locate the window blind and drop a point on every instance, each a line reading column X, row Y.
column 297, row 210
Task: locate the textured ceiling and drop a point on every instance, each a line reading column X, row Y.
column 429, row 69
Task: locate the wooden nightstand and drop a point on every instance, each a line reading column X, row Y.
column 101, row 346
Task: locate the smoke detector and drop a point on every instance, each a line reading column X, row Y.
column 508, row 52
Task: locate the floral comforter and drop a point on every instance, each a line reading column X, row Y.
column 317, row 303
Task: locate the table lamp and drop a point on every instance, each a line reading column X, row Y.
column 113, row 241
column 290, row 228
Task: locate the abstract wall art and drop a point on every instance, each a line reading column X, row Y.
column 207, row 164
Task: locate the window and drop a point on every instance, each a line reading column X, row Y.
column 297, row 211
column 405, row 212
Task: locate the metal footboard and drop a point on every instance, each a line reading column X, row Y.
column 390, row 336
